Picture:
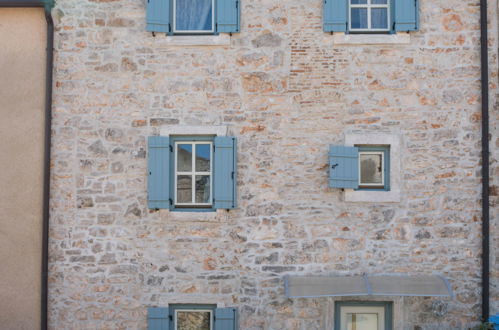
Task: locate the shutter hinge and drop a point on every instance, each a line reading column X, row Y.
column 150, row 172
column 171, row 201
column 237, row 4
column 171, row 148
column 153, row 34
column 169, row 27
column 232, row 175
column 216, row 26
column 170, row 317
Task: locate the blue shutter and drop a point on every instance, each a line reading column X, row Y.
column 406, row 15
column 343, row 167
column 225, row 319
column 225, row 172
column 158, row 318
column 335, row 13
column 158, row 16
column 158, row 187
column 228, row 15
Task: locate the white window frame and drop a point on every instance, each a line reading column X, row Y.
column 193, row 173
column 195, row 311
column 193, row 31
column 379, row 310
column 382, row 169
column 368, row 6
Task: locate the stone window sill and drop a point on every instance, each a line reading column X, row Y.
column 218, row 40
column 185, row 216
column 392, row 196
column 340, row 38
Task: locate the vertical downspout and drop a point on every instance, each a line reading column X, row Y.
column 485, row 158
column 46, row 170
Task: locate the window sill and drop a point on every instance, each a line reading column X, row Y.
column 218, row 40
column 392, row 196
column 340, row 38
column 187, row 216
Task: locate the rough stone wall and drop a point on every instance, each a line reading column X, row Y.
column 286, row 92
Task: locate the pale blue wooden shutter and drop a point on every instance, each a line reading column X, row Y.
column 225, row 172
column 158, row 16
column 334, row 15
column 158, row 318
column 158, row 187
column 406, row 15
column 225, row 319
column 228, row 15
column 343, row 167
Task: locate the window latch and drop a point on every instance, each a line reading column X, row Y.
column 334, row 166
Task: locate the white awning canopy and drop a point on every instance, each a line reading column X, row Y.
column 366, row 285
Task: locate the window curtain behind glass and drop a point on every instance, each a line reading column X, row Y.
column 193, row 15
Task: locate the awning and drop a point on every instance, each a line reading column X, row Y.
column 366, row 285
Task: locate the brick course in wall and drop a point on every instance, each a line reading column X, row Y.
column 286, row 92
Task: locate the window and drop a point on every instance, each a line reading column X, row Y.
column 192, row 173
column 357, row 315
column 186, row 17
column 193, row 16
column 374, row 164
column 365, row 167
column 191, row 316
column 371, row 16
column 199, row 317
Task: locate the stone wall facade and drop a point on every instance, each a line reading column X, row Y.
column 287, row 92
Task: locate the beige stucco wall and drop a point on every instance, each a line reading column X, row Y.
column 22, row 86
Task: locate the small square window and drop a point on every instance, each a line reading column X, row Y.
column 374, row 164
column 193, row 16
column 365, row 315
column 369, row 15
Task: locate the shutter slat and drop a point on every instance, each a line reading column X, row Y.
column 225, row 319
column 335, row 14
column 158, row 16
column 225, row 172
column 157, row 318
column 406, row 15
column 158, row 183
column 228, row 16
column 343, row 167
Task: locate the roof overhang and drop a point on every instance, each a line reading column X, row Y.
column 367, row 285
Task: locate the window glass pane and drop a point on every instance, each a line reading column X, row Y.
column 379, row 18
column 184, row 189
column 362, row 321
column 371, row 168
column 378, row 2
column 193, row 320
column 184, row 157
column 193, row 15
column 359, row 18
column 202, row 188
column 203, row 157
column 358, row 2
